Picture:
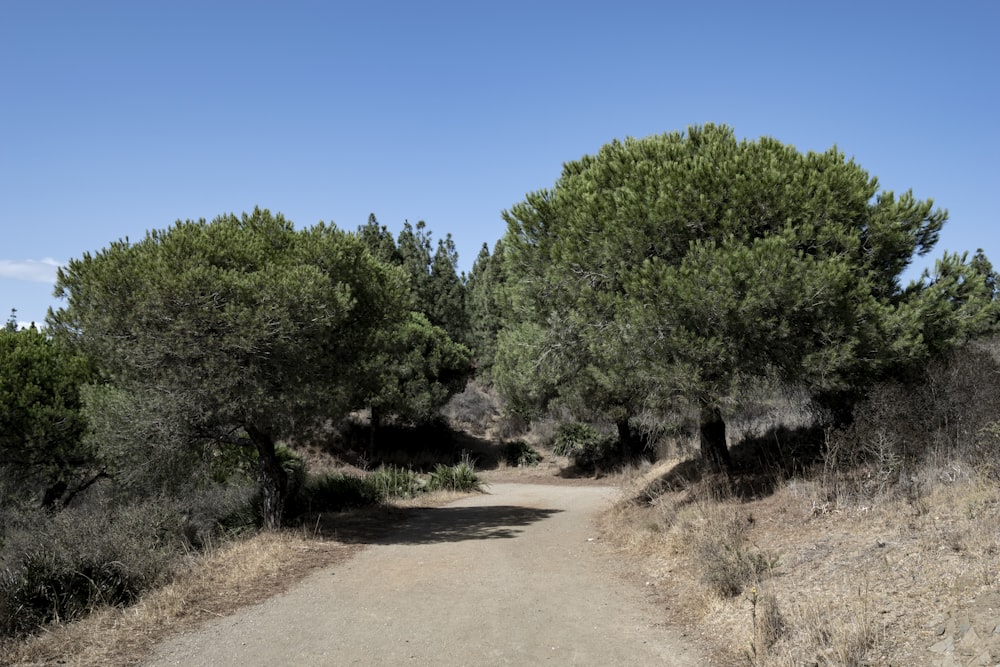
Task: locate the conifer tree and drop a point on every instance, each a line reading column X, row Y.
column 670, row 268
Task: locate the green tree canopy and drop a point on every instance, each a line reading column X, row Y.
column 262, row 329
column 424, row 361
column 438, row 290
column 486, row 306
column 418, row 368
column 670, row 267
column 42, row 452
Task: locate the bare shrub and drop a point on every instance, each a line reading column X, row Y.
column 728, row 562
column 948, row 414
column 767, row 619
column 474, row 409
column 511, row 426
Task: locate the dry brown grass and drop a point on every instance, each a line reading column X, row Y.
column 872, row 580
column 214, row 584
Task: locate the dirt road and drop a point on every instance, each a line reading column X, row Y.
column 510, row 577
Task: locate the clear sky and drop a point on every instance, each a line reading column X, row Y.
column 118, row 117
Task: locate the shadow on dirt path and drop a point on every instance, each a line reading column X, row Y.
column 454, row 524
column 516, row 576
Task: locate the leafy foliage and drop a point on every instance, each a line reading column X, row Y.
column 487, row 307
column 459, row 477
column 519, row 453
column 664, row 270
column 439, row 292
column 258, row 331
column 584, row 445
column 416, row 371
column 42, row 446
column 422, row 362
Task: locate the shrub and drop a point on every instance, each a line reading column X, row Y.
column 459, row 477
column 947, row 414
column 728, row 564
column 584, row 445
column 519, row 453
column 335, row 492
column 395, row 482
column 61, row 568
column 475, row 407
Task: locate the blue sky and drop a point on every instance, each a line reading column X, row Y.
column 118, row 117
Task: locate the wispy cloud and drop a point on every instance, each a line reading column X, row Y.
column 35, row 270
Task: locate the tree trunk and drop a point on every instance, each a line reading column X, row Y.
column 273, row 479
column 374, row 424
column 53, row 494
column 713, row 438
column 629, row 441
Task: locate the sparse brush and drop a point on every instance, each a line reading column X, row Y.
column 768, row 622
column 519, row 453
column 728, row 563
column 844, row 640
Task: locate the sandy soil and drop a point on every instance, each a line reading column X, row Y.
column 515, row 576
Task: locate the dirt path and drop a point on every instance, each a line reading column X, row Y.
column 505, row 578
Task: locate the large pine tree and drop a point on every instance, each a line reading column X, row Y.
column 674, row 266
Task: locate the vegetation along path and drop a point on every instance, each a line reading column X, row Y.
column 510, row 577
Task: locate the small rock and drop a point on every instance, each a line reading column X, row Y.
column 969, row 641
column 944, row 646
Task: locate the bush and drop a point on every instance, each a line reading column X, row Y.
column 519, row 453
column 459, row 477
column 62, row 567
column 335, row 492
column 395, row 482
column 728, row 564
column 949, row 413
column 584, row 445
column 474, row 407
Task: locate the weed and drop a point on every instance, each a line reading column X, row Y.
column 768, row 623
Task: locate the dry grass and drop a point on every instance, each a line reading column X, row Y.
column 872, row 580
column 214, row 584
column 228, row 578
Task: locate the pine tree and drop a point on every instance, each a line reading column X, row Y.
column 670, row 268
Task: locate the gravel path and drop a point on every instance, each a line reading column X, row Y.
column 510, row 577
